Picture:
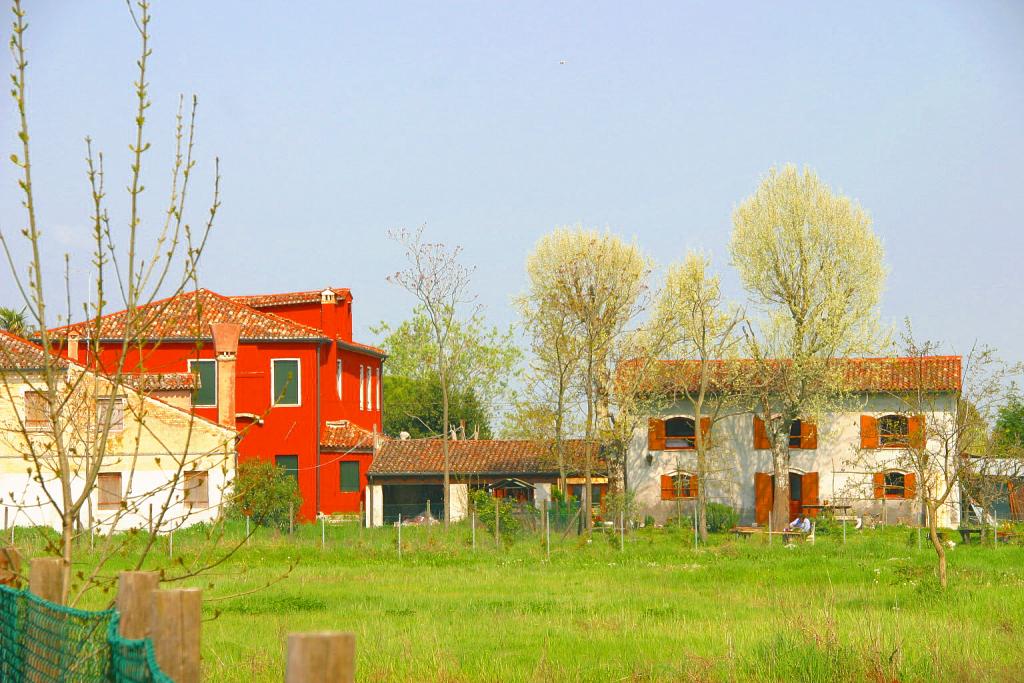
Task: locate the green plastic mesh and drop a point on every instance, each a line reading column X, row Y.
column 43, row 641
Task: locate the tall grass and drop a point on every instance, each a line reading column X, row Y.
column 869, row 610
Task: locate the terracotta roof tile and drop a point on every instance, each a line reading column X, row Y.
column 188, row 316
column 288, row 298
column 474, row 456
column 343, row 435
column 20, row 354
column 931, row 373
column 161, row 381
column 356, row 346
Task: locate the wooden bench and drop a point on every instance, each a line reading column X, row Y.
column 966, row 534
column 745, row 531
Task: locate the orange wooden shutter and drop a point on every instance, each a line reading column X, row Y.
column 879, row 479
column 655, row 434
column 693, row 486
column 915, row 425
column 762, row 497
column 808, row 435
column 705, row 431
column 668, row 489
column 809, row 491
column 909, row 485
column 868, row 432
column 761, row 441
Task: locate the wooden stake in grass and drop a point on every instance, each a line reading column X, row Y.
column 174, row 626
column 547, row 526
column 497, row 523
column 622, row 531
column 323, row 533
column 399, row 535
column 134, row 602
column 472, row 526
column 322, row 657
column 170, row 544
column 247, row 529
column 46, row 578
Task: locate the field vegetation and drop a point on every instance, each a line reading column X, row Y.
column 659, row 610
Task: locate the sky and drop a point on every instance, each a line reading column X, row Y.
column 493, row 123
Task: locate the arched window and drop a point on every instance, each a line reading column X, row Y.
column 893, row 430
column 680, row 433
column 677, row 485
column 895, row 484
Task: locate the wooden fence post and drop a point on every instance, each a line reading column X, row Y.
column 175, row 626
column 321, row 657
column 134, row 600
column 46, row 578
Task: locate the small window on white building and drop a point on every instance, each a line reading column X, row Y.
column 115, row 406
column 108, row 485
column 37, row 416
column 197, row 488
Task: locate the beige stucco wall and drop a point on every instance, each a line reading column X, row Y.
column 845, row 472
column 157, row 443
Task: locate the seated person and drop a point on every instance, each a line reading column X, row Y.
column 801, row 524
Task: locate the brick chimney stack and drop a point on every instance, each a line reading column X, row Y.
column 73, row 347
column 225, row 344
column 329, row 313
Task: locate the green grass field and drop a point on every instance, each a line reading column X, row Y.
column 869, row 610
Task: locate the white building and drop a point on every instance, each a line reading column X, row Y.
column 161, row 465
column 854, row 456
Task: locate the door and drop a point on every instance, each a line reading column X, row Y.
column 795, row 494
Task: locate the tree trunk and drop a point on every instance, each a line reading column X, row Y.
column 780, row 461
column 940, row 550
column 702, row 493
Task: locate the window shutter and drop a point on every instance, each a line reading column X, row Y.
column 693, row 486
column 762, row 497
column 808, row 435
column 668, row 491
column 909, row 485
column 655, row 434
column 761, row 441
column 915, row 429
column 809, row 491
column 879, row 481
column 705, row 431
column 868, row 432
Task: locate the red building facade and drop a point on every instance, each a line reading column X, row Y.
column 305, row 395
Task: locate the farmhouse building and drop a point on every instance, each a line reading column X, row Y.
column 407, row 473
column 849, row 456
column 160, row 462
column 282, row 369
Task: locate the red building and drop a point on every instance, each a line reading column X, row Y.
column 281, row 368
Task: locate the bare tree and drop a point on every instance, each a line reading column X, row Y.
column 926, row 434
column 132, row 262
column 441, row 284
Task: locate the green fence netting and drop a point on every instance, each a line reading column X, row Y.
column 43, row 641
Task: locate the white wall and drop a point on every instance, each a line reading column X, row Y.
column 458, row 498
column 375, row 510
column 845, row 472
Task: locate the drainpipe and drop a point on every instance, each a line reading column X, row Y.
column 316, row 431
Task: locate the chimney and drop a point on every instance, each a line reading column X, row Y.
column 329, row 313
column 225, row 343
column 73, row 347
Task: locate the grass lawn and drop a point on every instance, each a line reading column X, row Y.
column 869, row 610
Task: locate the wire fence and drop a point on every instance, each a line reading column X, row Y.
column 44, row 641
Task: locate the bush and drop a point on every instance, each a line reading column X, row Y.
column 721, row 517
column 483, row 505
column 265, row 493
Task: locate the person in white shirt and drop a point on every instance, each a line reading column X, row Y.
column 801, row 523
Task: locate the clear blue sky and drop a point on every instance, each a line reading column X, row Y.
column 336, row 121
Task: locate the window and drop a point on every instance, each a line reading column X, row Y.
column 197, row 488
column 287, row 384
column 103, row 404
column 361, row 394
column 338, row 378
column 895, row 485
column 288, row 463
column 794, row 434
column 893, row 431
column 680, row 433
column 678, row 485
column 109, row 487
column 349, row 477
column 378, row 389
column 369, row 388
column 206, row 375
column 37, row 415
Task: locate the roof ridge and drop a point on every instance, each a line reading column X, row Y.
column 273, row 316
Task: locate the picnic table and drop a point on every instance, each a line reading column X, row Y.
column 746, row 531
column 827, row 507
column 967, row 533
